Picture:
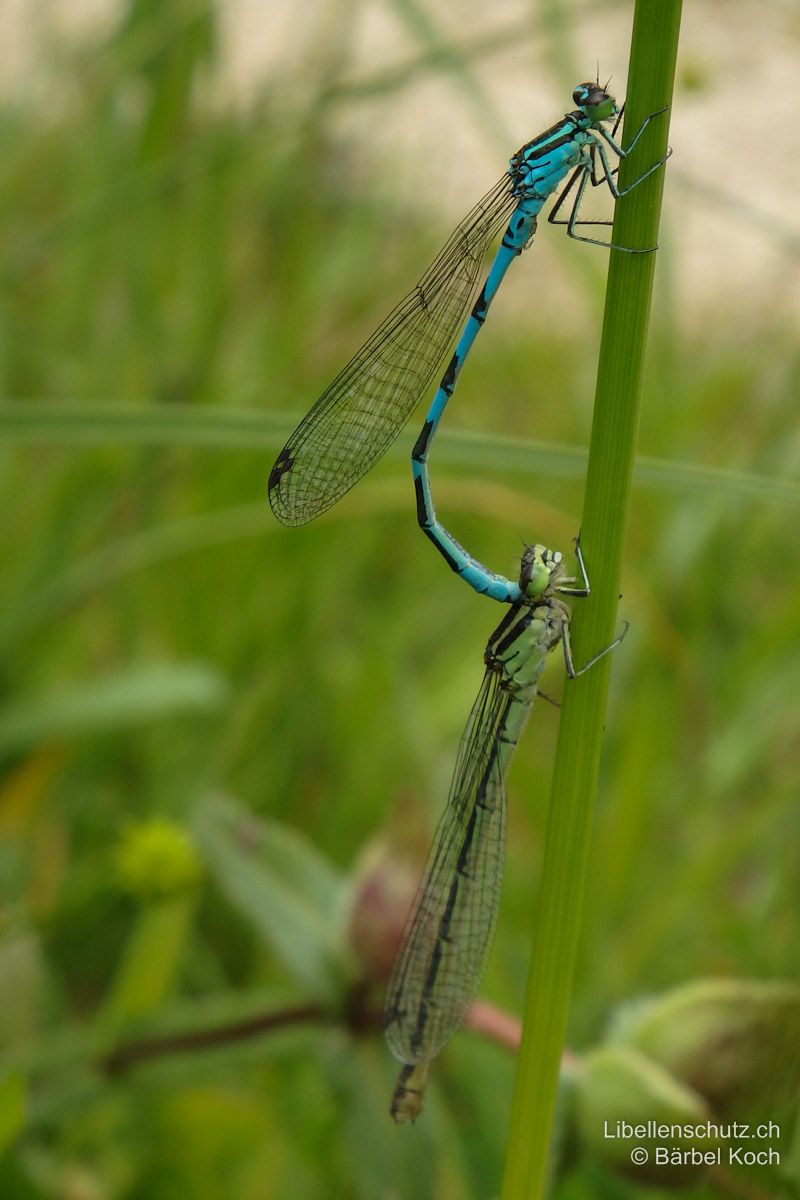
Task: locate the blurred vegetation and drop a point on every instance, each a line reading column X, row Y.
column 224, row 743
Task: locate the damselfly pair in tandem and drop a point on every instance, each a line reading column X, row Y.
column 450, row 927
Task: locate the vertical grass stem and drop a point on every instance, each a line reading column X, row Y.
column 557, row 915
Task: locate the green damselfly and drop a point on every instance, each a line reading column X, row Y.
column 449, row 930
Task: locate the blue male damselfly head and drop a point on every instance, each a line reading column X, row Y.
column 595, row 102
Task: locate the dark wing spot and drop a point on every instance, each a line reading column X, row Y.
column 283, row 464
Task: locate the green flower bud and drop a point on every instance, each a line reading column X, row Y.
column 386, row 880
column 385, row 886
column 157, row 859
column 733, row 1041
column 628, row 1109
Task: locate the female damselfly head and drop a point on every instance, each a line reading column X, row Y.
column 539, row 567
column 595, row 102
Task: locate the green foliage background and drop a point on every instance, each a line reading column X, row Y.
column 180, row 278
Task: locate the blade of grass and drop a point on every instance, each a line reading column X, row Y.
column 74, row 425
column 610, row 470
column 148, row 692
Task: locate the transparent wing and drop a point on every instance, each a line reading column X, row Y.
column 451, row 924
column 360, row 414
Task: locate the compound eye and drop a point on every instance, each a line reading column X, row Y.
column 581, row 93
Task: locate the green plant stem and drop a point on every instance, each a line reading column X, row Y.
column 557, row 917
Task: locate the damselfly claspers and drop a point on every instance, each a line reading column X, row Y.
column 362, row 411
column 449, row 930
